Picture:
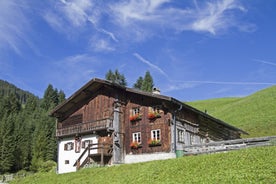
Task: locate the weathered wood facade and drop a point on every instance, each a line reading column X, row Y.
column 134, row 122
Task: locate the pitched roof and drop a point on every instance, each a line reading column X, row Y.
column 83, row 95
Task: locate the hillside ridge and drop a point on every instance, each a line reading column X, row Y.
column 255, row 114
column 7, row 88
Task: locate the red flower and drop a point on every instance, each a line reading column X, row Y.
column 153, row 115
column 134, row 145
column 135, row 117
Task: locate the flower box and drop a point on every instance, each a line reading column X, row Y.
column 153, row 143
column 135, row 145
column 153, row 115
column 135, row 117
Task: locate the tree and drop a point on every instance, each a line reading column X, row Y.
column 139, row 82
column 116, row 77
column 7, row 143
column 27, row 133
column 144, row 84
column 50, row 98
column 61, row 96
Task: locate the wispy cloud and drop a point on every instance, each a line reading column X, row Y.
column 210, row 16
column 227, row 83
column 135, row 21
column 180, row 85
column 155, row 67
column 213, row 17
column 72, row 71
column 100, row 44
column 14, row 25
column 73, row 17
column 265, row 62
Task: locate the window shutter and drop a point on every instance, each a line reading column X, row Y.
column 66, row 147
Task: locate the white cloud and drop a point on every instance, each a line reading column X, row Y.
column 210, row 16
column 178, row 86
column 137, row 20
column 215, row 16
column 110, row 34
column 265, row 62
column 155, row 67
column 14, row 25
column 76, row 11
column 226, row 82
column 72, row 71
column 144, row 10
column 101, row 44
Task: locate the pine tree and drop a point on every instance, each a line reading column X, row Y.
column 50, row 98
column 147, row 83
column 61, row 96
column 7, row 143
column 116, row 77
column 139, row 82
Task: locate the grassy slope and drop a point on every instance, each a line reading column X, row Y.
column 254, row 165
column 256, row 114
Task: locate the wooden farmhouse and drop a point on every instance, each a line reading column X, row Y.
column 104, row 123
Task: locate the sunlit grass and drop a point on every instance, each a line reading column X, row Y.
column 254, row 165
column 255, row 114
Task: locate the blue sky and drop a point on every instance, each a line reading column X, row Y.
column 193, row 49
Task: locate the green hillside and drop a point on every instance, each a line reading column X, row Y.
column 7, row 89
column 253, row 165
column 255, row 114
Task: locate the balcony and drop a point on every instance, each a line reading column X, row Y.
column 85, row 127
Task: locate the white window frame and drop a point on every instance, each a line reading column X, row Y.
column 68, row 146
column 85, row 144
column 136, row 110
column 136, row 137
column 156, row 134
column 181, row 135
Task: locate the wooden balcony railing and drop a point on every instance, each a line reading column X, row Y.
column 104, row 150
column 85, row 127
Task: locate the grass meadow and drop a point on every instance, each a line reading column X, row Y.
column 252, row 165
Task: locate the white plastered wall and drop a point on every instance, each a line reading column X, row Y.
column 71, row 156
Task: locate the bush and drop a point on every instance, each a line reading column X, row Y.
column 47, row 166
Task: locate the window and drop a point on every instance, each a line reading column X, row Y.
column 77, row 144
column 154, row 112
column 135, row 111
column 86, row 143
column 192, row 139
column 69, row 146
column 154, row 109
column 180, row 134
column 135, row 114
column 136, row 137
column 156, row 135
column 66, row 161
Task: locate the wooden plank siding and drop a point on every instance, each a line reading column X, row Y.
column 102, row 108
column 97, row 114
column 145, row 126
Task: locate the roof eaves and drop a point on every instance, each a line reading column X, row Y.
column 208, row 116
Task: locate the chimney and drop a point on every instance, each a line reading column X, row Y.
column 155, row 90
